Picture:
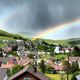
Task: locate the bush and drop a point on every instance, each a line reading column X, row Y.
column 15, row 69
column 73, row 78
column 75, row 67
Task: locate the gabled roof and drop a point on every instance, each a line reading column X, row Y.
column 73, row 59
column 6, row 58
column 2, row 73
column 39, row 75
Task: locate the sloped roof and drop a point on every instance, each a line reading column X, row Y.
column 73, row 59
column 2, row 73
column 6, row 58
column 39, row 75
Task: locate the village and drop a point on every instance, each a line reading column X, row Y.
column 37, row 59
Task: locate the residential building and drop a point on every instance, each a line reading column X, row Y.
column 28, row 74
column 3, row 74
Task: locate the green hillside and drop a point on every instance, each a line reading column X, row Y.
column 25, row 34
column 73, row 41
column 9, row 36
column 56, row 42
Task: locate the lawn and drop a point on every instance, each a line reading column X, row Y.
column 2, row 45
column 6, row 38
column 58, row 56
column 46, row 56
column 57, row 76
column 61, row 56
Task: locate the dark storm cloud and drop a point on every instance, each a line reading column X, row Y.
column 37, row 15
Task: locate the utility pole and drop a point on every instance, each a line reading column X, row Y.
column 68, row 69
column 35, row 59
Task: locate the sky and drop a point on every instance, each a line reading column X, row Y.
column 35, row 16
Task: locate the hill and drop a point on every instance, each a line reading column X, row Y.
column 25, row 34
column 6, row 35
column 72, row 41
column 10, row 36
column 56, row 42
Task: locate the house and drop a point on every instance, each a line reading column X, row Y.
column 7, row 63
column 74, row 59
column 3, row 74
column 57, row 49
column 56, row 65
column 28, row 74
column 78, row 77
column 7, row 49
column 23, row 61
column 22, row 53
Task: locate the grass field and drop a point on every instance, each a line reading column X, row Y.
column 58, row 56
column 6, row 38
column 57, row 76
column 2, row 45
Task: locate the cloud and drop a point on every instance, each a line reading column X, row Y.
column 37, row 15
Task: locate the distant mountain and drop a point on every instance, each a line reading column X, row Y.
column 74, row 39
column 70, row 41
column 25, row 34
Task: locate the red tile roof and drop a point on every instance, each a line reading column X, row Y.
column 74, row 59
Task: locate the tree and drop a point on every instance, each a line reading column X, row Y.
column 73, row 78
column 31, row 56
column 66, row 65
column 76, row 51
column 74, row 75
column 42, row 66
column 1, row 54
column 75, row 67
column 73, row 43
column 51, row 54
column 16, row 69
column 14, row 48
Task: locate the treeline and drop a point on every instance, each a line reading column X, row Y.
column 74, row 43
column 6, row 34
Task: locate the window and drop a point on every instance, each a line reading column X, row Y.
column 26, row 78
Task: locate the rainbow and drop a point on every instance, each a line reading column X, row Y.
column 56, row 28
column 8, row 14
column 6, row 18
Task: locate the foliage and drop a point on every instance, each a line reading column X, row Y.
column 31, row 56
column 66, row 65
column 10, row 35
column 15, row 69
column 73, row 77
column 61, row 56
column 49, row 70
column 1, row 54
column 13, row 53
column 75, row 74
column 14, row 48
column 42, row 66
column 76, row 51
column 75, row 67
column 57, row 76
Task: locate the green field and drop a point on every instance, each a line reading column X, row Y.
column 57, row 76
column 6, row 38
column 58, row 56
